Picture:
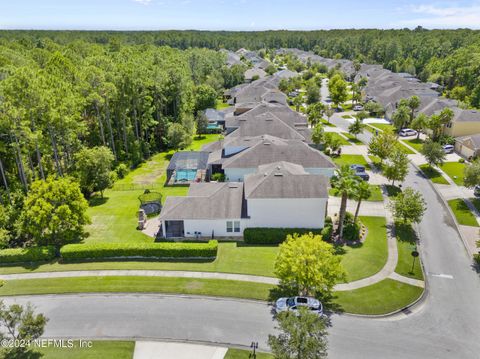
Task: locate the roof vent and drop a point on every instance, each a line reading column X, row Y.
column 278, row 168
column 232, row 185
column 278, row 174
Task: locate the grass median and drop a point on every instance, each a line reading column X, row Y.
column 462, row 212
column 406, row 243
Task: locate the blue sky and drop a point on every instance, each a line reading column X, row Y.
column 236, row 14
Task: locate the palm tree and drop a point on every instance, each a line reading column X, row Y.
column 363, row 192
column 346, row 183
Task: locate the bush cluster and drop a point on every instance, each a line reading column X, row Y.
column 24, row 255
column 139, row 250
column 327, row 230
column 273, row 235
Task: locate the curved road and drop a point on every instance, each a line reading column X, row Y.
column 446, row 325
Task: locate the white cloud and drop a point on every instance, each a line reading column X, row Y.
column 436, row 16
column 143, row 2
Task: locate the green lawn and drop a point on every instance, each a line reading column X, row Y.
column 433, row 175
column 326, row 123
column 382, row 126
column 350, row 160
column 381, row 298
column 99, row 349
column 476, row 203
column 417, row 144
column 130, row 284
column 220, row 104
column 114, row 217
column 376, row 195
column 462, row 212
column 406, row 243
column 454, row 170
column 405, row 149
column 245, row 354
column 231, row 258
column 352, row 139
column 370, row 257
column 392, row 191
column 343, row 141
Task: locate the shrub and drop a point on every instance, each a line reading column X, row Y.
column 476, row 258
column 461, row 160
column 139, row 250
column 121, row 170
column 351, row 231
column 24, row 255
column 274, row 235
column 220, row 177
column 327, row 232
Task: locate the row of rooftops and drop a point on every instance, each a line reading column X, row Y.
column 388, row 88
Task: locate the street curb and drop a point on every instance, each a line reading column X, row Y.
column 445, row 203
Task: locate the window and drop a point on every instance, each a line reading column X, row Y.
column 236, row 226
column 229, row 226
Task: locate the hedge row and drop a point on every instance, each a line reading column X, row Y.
column 24, row 255
column 139, row 250
column 273, row 235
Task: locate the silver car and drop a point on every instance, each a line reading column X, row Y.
column 448, row 148
column 293, row 303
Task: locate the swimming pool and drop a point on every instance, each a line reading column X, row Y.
column 185, row 175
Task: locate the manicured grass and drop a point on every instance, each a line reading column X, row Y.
column 343, row 141
column 406, row 243
column 245, row 354
column 347, row 117
column 352, row 139
column 99, row 349
column 405, row 149
column 209, row 287
column 114, row 218
column 415, row 143
column 351, row 160
column 382, row 126
column 220, row 104
column 462, row 212
column 232, row 257
column 476, row 203
column 369, row 257
column 454, row 170
column 381, row 298
column 376, row 195
column 433, row 175
column 326, row 123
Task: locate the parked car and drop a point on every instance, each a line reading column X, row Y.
column 293, row 303
column 358, row 108
column 476, row 191
column 360, row 171
column 448, row 148
column 404, row 132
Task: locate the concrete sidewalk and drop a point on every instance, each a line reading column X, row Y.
column 367, row 208
column 160, row 350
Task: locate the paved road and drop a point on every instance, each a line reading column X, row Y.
column 446, row 326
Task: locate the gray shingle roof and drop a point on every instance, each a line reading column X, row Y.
column 472, row 142
column 272, row 149
column 206, row 201
column 285, row 180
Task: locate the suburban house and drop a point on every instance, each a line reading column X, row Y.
column 236, row 159
column 187, row 167
column 277, row 195
column 468, row 146
column 465, row 122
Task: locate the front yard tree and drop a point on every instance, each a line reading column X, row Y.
column 408, row 206
column 382, row 145
column 338, row 89
column 315, row 113
column 356, row 127
column 93, row 169
column 396, row 168
column 436, row 122
column 313, row 92
column 363, row 192
column 401, row 117
column 308, row 265
column 329, row 113
column 302, row 335
column 434, row 153
column 297, row 102
column 54, row 212
column 472, row 174
column 20, row 324
column 345, row 182
column 331, row 142
column 318, row 134
column 413, row 104
column 419, row 123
